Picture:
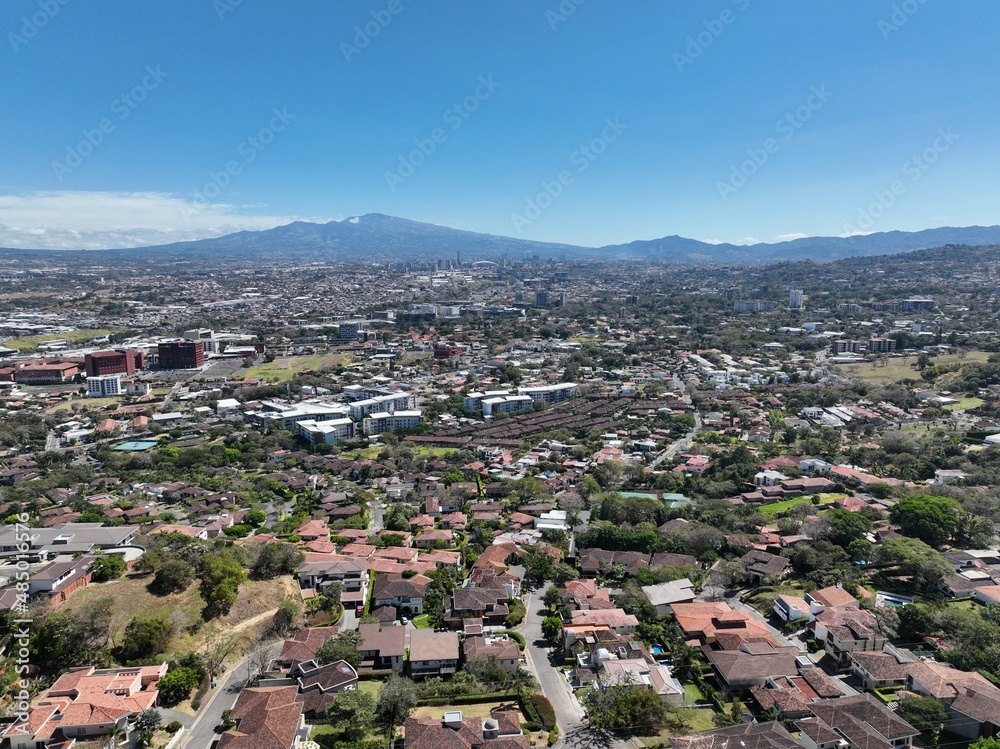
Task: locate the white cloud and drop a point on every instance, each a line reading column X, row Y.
column 790, row 237
column 91, row 220
column 747, row 240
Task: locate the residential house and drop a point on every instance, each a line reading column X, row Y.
column 406, row 595
column 319, row 685
column 761, row 565
column 84, row 703
column 504, row 649
column 847, row 631
column 433, row 653
column 502, row 730
column 752, row 662
column 972, row 701
column 303, row 646
column 665, row 595
column 768, row 735
column 488, row 604
column 859, row 722
column 382, row 647
column 790, row 696
column 616, row 619
column 266, row 718
column 881, row 669
column 704, row 621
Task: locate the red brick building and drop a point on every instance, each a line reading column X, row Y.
column 120, row 361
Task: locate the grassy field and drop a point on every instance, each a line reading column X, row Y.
column 92, row 403
column 473, row 710
column 902, row 368
column 776, row 507
column 434, row 452
column 965, row 404
column 254, row 604
column 285, row 368
column 366, row 453
column 422, row 622
column 27, row 343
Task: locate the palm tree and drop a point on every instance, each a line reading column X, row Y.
column 114, row 736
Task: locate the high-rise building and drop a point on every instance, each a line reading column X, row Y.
column 120, row 361
column 181, row 355
column 104, row 386
column 795, row 299
column 541, row 299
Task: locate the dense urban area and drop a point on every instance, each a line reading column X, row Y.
column 495, row 502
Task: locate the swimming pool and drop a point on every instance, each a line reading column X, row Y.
column 656, row 649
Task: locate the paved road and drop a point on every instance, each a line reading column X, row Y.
column 223, row 697
column 573, row 730
column 377, row 522
column 681, row 444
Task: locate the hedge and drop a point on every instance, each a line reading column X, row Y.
column 543, row 709
column 516, row 637
column 466, row 699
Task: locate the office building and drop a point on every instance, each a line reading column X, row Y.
column 795, row 299
column 181, row 355
column 328, row 432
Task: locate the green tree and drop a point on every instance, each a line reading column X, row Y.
column 275, row 559
column 931, row 519
column 256, row 518
column 109, row 567
column 552, row 597
column 221, row 576
column 988, row 743
column 344, row 646
column 173, row 576
column 925, row 714
column 146, row 724
column 396, row 700
column 552, row 628
column 846, row 526
column 177, row 684
column 354, row 711
column 145, row 638
column 625, row 706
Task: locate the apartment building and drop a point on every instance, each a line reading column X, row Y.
column 386, row 421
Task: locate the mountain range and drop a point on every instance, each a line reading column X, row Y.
column 376, row 236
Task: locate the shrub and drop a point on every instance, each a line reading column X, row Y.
column 173, row 726
column 109, row 567
column 544, row 710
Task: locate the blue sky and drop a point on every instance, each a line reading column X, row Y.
column 580, row 121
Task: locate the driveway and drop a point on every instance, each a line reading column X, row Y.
column 573, row 730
